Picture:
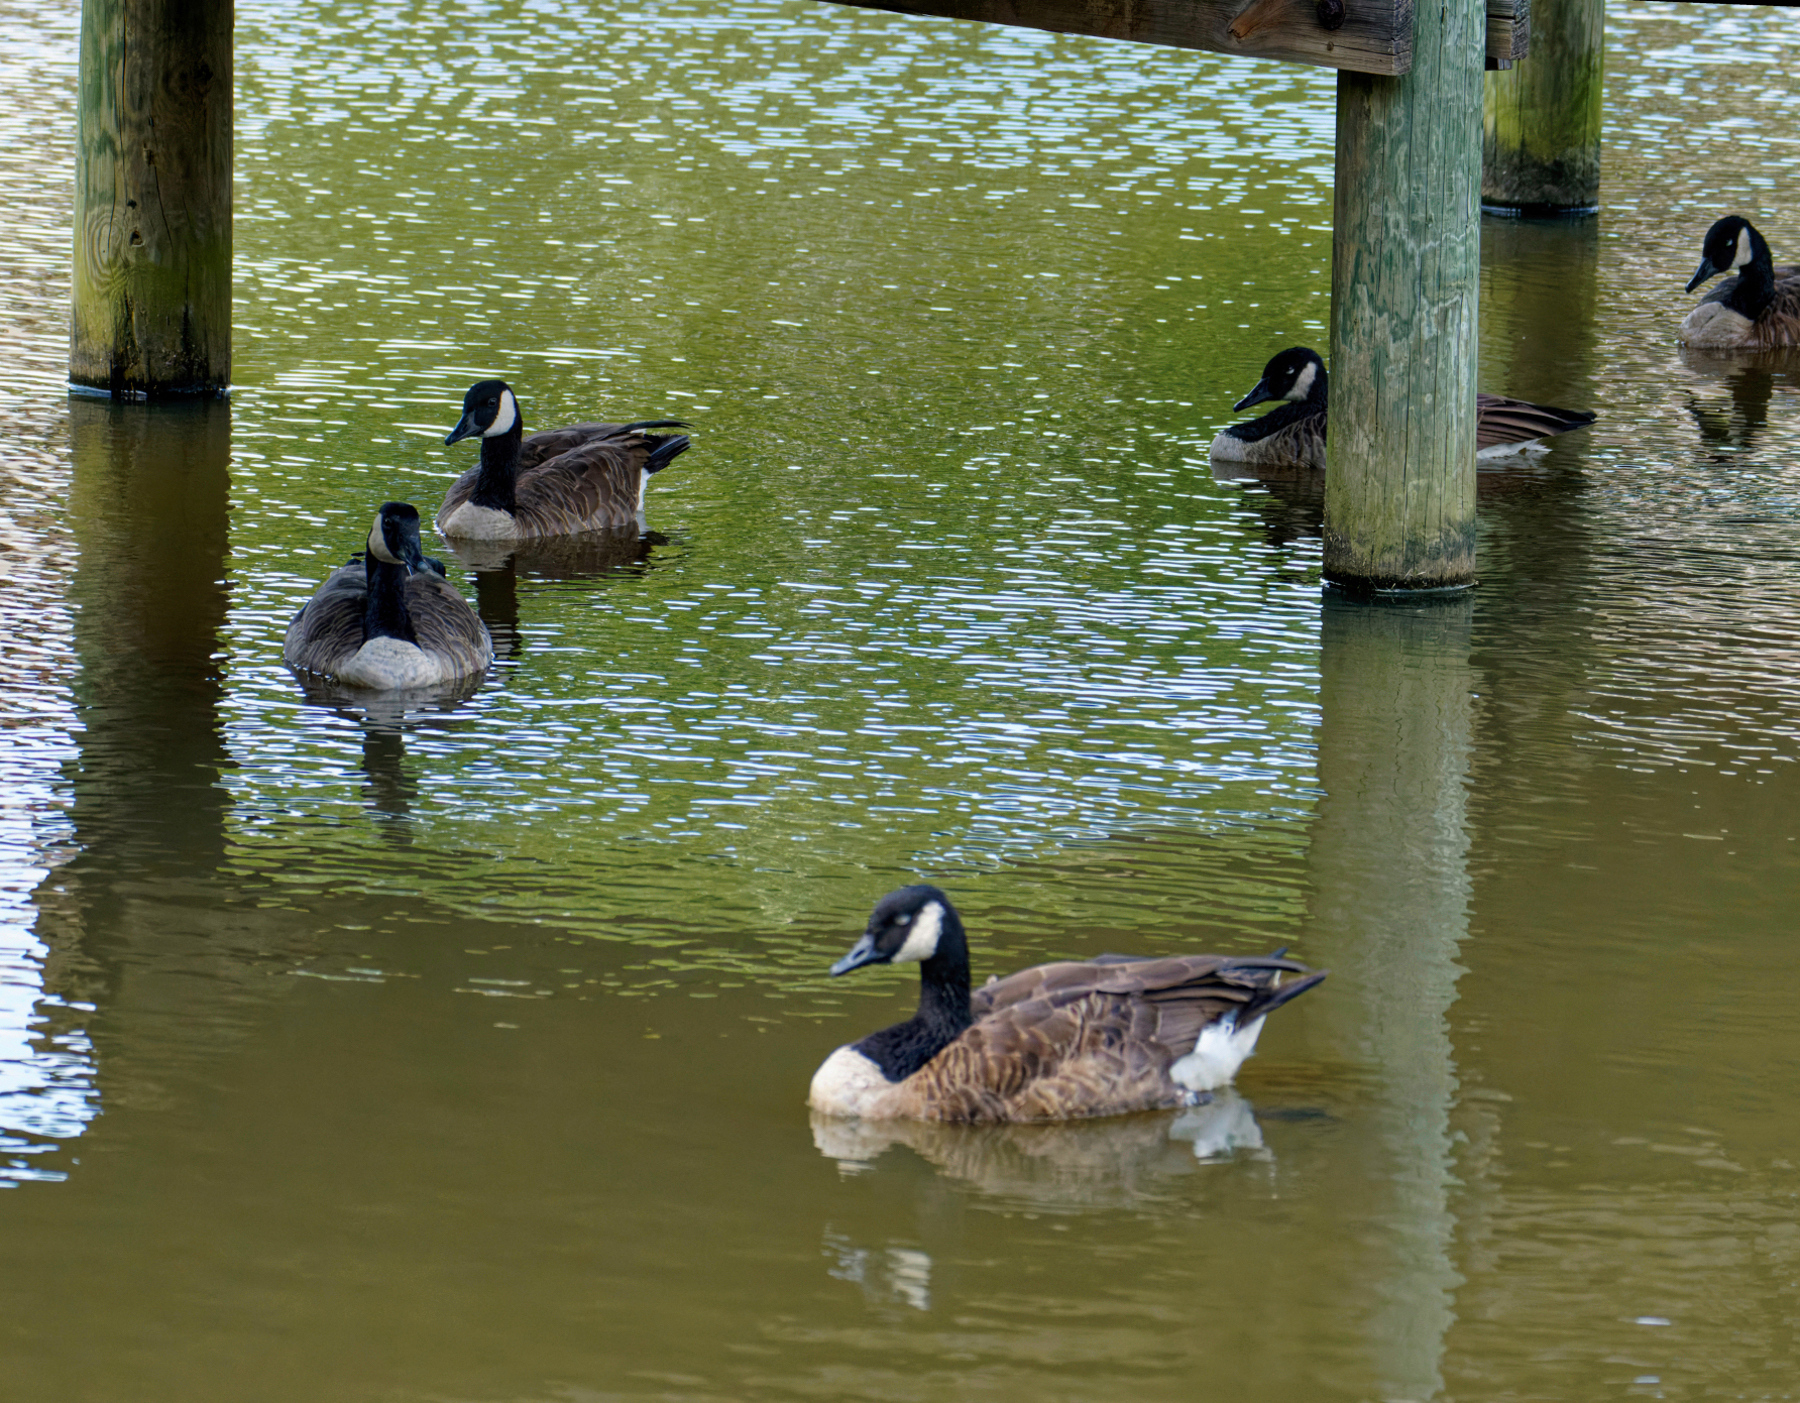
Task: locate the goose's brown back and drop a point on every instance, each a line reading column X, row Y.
column 1500, row 421
column 580, row 478
column 1065, row 1041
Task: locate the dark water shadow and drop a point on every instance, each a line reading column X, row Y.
column 499, row 566
column 385, row 719
column 1730, row 395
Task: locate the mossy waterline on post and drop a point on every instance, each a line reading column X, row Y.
column 152, row 255
column 1541, row 127
column 1405, row 281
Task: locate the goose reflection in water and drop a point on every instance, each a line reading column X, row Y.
column 1752, row 380
column 385, row 720
column 498, row 567
column 1101, row 1163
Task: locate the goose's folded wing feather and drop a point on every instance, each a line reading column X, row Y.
column 328, row 627
column 1499, row 420
column 1074, row 1039
column 445, row 624
column 592, row 483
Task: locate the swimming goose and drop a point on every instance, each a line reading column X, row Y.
column 1055, row 1042
column 1754, row 311
column 391, row 619
column 561, row 481
column 1294, row 431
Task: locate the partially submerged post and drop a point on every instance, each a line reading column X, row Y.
column 1541, row 138
column 152, row 264
column 1405, row 273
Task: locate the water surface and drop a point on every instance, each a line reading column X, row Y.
column 359, row 1051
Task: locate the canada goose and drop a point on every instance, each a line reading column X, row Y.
column 1755, row 311
column 391, row 619
column 1092, row 1038
column 1294, row 431
column 581, row 478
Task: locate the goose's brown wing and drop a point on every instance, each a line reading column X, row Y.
column 328, row 628
column 592, row 483
column 446, row 626
column 553, row 443
column 1499, row 421
column 1079, row 1039
column 1779, row 325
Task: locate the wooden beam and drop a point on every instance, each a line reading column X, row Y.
column 1541, row 129
column 1508, row 32
column 1405, row 276
column 1363, row 36
column 1357, row 36
column 152, row 259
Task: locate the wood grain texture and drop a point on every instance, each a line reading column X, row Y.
column 1541, row 122
column 1376, row 36
column 1508, row 30
column 1406, row 251
column 152, row 237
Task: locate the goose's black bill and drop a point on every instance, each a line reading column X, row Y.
column 463, row 429
column 1705, row 271
column 862, row 953
column 1256, row 396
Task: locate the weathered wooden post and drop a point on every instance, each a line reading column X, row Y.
column 152, row 259
column 1541, row 129
column 1405, row 276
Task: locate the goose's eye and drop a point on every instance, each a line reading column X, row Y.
column 902, row 920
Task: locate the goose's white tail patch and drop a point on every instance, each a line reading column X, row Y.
column 1502, row 450
column 1219, row 1051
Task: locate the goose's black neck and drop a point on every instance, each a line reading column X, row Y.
column 1755, row 288
column 384, row 611
column 1282, row 416
column 943, row 1010
column 499, row 476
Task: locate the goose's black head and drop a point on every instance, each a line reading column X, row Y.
column 1731, row 243
column 394, row 538
column 912, row 924
column 489, row 409
column 1296, row 375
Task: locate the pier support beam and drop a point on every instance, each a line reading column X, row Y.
column 152, row 258
column 1541, row 129
column 1405, row 276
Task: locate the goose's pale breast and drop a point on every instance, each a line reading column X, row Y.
column 472, row 523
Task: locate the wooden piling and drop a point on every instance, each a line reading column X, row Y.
column 152, row 256
column 1405, row 279
column 1541, row 127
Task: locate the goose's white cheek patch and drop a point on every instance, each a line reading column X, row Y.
column 922, row 939
column 1303, row 386
column 378, row 545
column 507, row 416
column 1744, row 253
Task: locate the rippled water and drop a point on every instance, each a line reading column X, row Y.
column 459, row 1052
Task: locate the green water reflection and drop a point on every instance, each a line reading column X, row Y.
column 355, row 1051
